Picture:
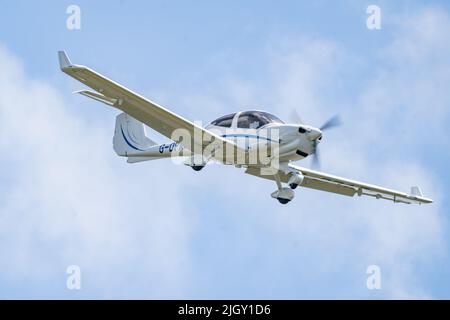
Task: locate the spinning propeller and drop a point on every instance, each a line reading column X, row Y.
column 333, row 122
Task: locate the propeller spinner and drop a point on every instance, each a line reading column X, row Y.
column 315, row 135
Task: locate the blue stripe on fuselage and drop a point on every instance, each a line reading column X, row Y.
column 243, row 135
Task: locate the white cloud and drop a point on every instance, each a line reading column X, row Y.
column 65, row 201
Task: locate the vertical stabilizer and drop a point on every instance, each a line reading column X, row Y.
column 129, row 136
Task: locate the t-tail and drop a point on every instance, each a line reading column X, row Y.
column 131, row 141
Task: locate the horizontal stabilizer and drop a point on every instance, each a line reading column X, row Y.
column 140, row 159
column 98, row 97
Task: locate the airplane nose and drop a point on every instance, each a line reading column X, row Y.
column 315, row 134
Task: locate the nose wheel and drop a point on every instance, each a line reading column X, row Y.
column 283, row 195
column 283, row 201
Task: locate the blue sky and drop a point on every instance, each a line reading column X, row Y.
column 157, row 230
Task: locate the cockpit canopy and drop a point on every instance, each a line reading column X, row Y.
column 256, row 119
column 224, row 121
column 247, row 120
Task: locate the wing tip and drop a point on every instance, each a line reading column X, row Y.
column 64, row 61
column 417, row 193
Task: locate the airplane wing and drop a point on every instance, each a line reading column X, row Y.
column 153, row 115
column 330, row 183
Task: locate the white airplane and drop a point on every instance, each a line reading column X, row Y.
column 233, row 139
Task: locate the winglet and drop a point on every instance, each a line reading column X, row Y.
column 415, row 191
column 64, row 61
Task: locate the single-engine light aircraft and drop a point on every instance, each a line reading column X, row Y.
column 255, row 140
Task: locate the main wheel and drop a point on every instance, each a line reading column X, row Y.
column 293, row 186
column 197, row 168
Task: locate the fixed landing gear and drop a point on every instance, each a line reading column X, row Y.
column 293, row 185
column 283, row 195
column 295, row 180
column 196, row 164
